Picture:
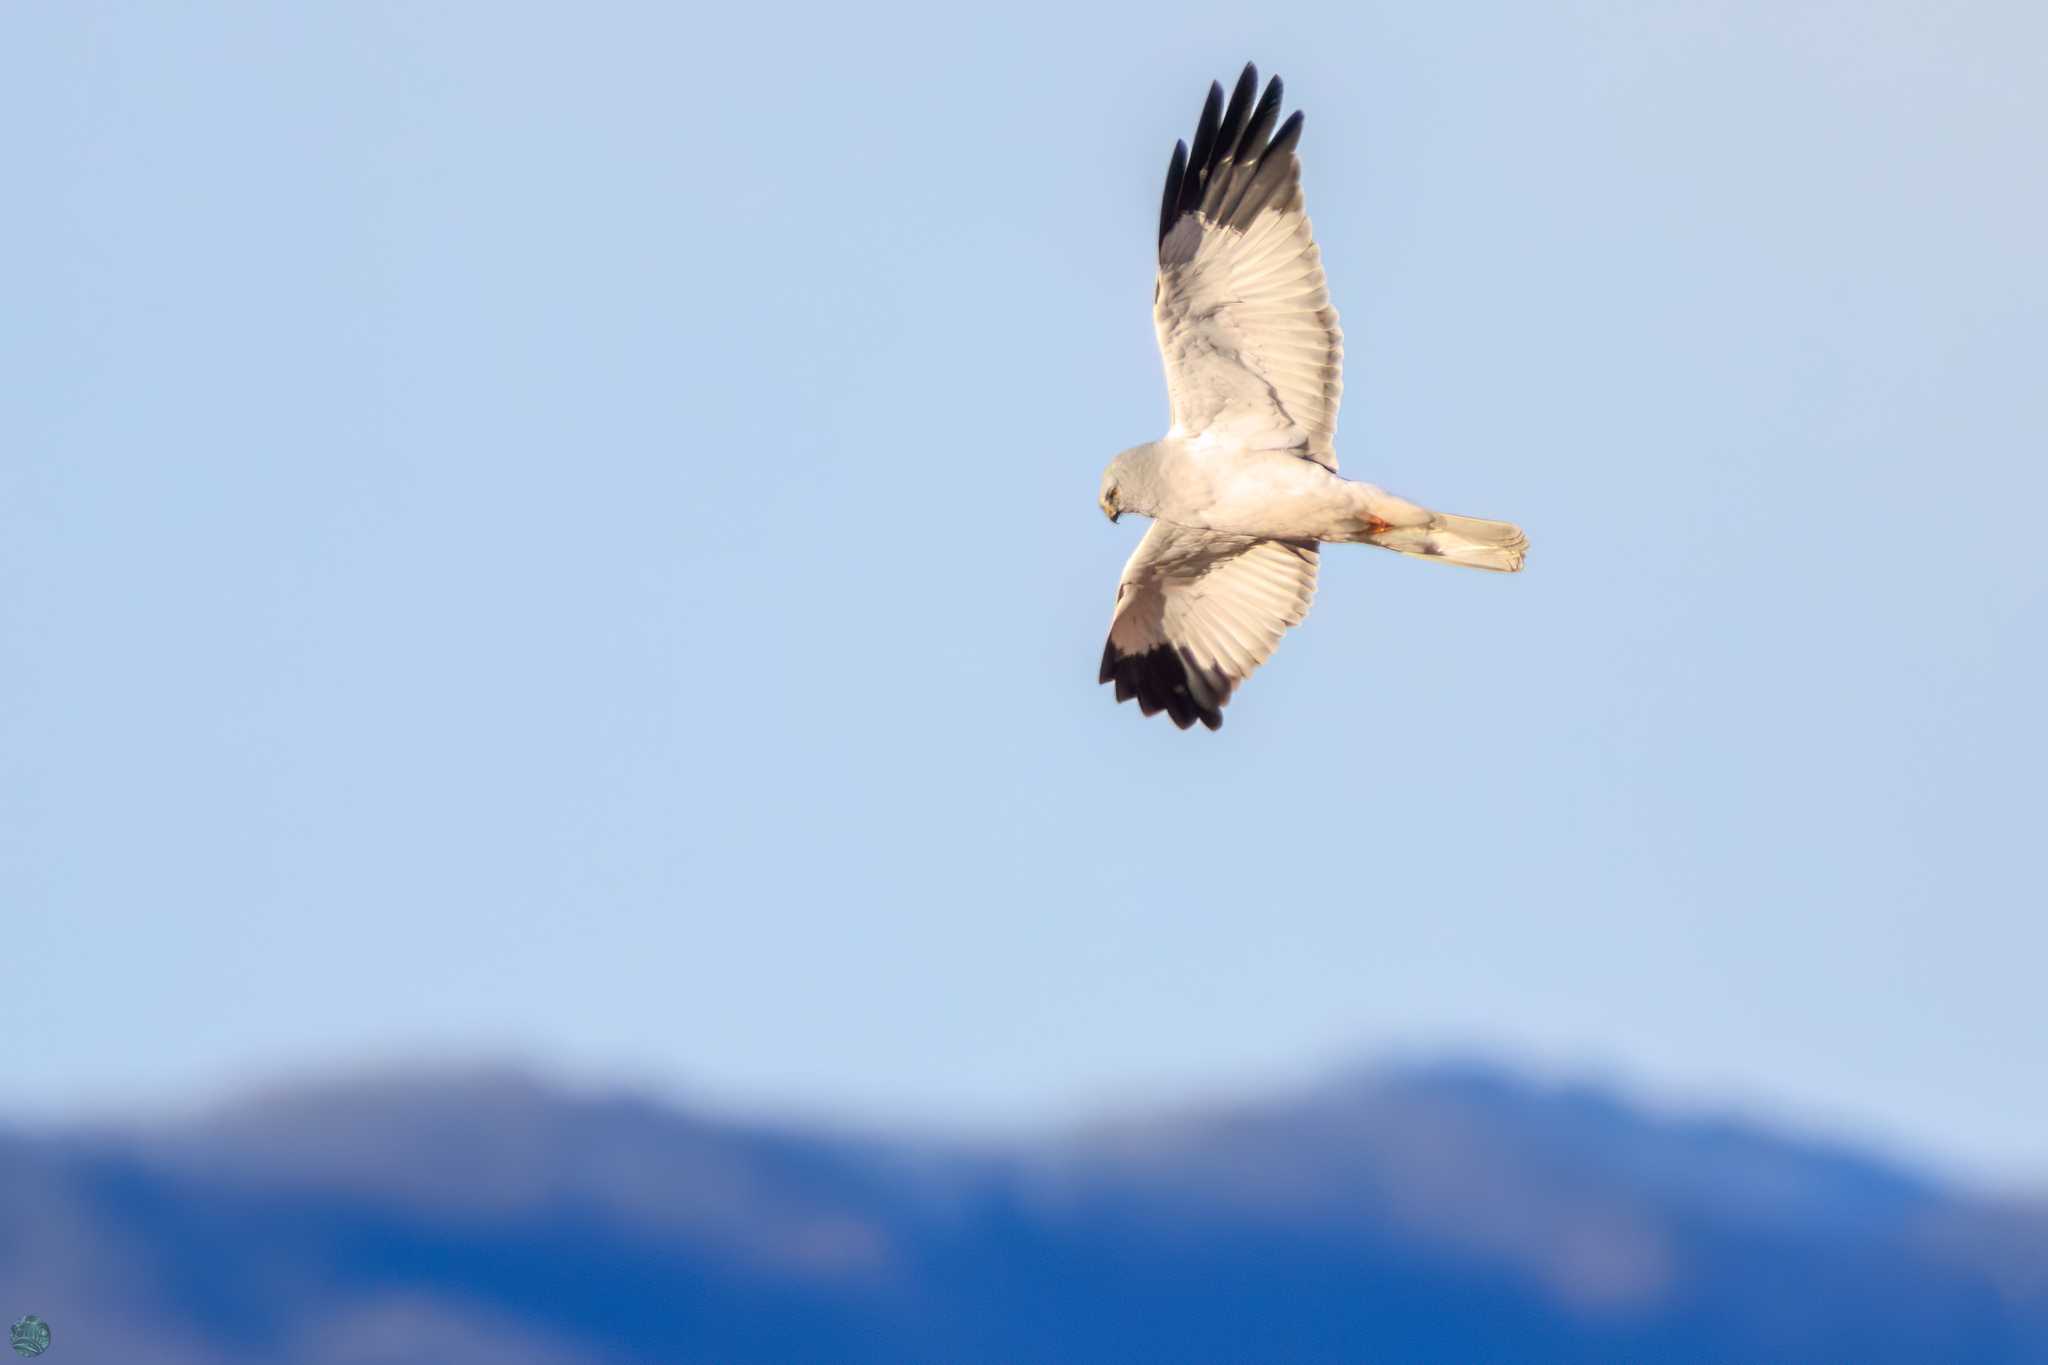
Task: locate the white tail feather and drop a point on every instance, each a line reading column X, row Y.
column 1496, row 545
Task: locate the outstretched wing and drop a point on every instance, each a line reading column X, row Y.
column 1250, row 340
column 1196, row 612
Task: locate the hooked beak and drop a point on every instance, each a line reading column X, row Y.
column 1109, row 511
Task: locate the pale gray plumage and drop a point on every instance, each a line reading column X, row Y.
column 1244, row 486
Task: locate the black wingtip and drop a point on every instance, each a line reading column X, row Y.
column 1169, row 206
column 1159, row 679
column 1203, row 151
column 1237, row 164
column 1253, row 143
column 1288, row 137
column 1275, row 174
column 1230, row 138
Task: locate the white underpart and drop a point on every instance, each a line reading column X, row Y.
column 1215, row 483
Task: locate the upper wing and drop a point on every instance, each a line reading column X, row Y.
column 1250, row 340
column 1196, row 612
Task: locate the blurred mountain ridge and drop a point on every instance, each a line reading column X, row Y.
column 1442, row 1212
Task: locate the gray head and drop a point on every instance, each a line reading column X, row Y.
column 1127, row 483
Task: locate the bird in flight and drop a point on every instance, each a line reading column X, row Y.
column 1244, row 489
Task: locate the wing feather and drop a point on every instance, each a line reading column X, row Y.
column 1197, row 612
column 1252, row 347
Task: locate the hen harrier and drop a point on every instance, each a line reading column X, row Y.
column 1244, row 488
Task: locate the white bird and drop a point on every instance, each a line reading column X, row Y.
column 1244, row 488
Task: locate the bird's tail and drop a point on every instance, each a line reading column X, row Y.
column 1497, row 545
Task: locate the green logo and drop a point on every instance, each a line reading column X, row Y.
column 30, row 1336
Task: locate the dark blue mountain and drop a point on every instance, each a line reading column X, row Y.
column 1447, row 1214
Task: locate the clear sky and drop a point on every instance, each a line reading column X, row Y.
column 569, row 532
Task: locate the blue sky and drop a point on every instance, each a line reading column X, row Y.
column 569, row 532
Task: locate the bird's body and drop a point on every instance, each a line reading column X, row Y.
column 1244, row 488
column 1216, row 484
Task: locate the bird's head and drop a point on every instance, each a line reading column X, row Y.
column 1107, row 499
column 1130, row 483
column 1123, row 484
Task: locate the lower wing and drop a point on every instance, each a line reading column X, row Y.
column 1196, row 612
